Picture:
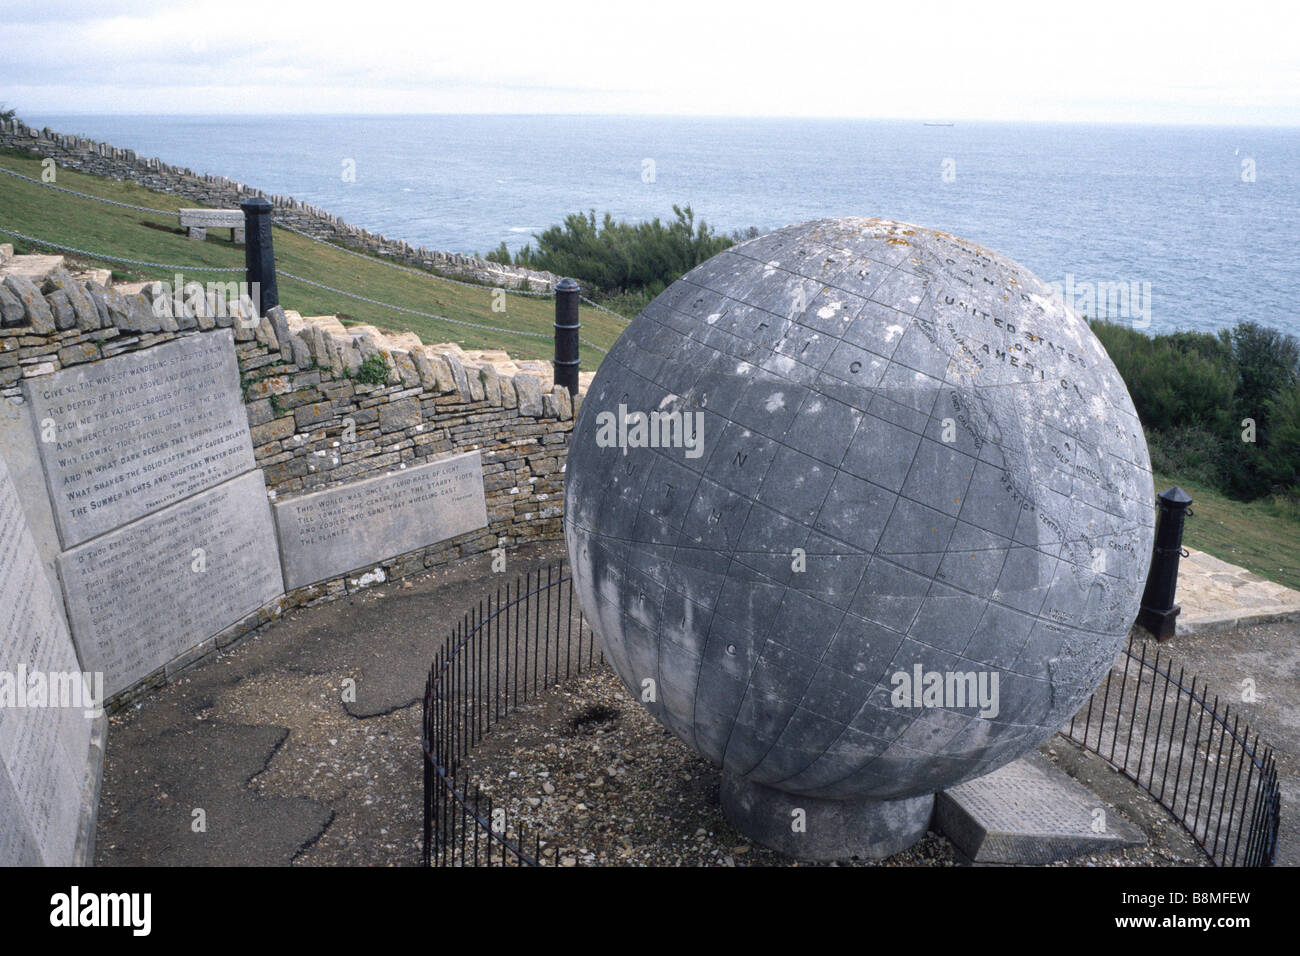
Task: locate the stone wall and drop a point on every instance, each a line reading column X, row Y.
column 101, row 159
column 314, row 420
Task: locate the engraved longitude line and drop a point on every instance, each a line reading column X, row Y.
column 875, row 551
column 875, row 556
column 803, row 693
column 1047, row 589
column 907, row 635
column 731, row 556
column 663, row 590
column 990, row 602
column 713, row 611
column 843, row 613
column 655, row 454
column 749, row 677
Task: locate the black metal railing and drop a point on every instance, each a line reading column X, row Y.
column 1198, row 761
column 506, row 651
column 1174, row 747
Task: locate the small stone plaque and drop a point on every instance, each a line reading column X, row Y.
column 45, row 716
column 1029, row 812
column 139, row 432
column 142, row 595
column 330, row 532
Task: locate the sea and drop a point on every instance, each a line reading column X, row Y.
column 1180, row 227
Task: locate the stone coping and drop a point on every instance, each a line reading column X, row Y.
column 1217, row 596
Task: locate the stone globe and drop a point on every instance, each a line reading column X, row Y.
column 859, row 510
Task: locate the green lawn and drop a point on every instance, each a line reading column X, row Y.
column 1257, row 535
column 41, row 212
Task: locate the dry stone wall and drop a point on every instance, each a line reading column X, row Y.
column 101, row 159
column 175, row 473
column 315, row 411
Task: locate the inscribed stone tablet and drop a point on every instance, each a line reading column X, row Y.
column 140, row 431
column 140, row 596
column 44, row 723
column 329, row 532
column 17, row 845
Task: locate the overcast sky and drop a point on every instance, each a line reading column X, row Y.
column 1102, row 61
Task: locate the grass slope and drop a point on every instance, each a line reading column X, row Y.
column 1259, row 535
column 1262, row 536
column 45, row 213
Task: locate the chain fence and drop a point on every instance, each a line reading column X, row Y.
column 429, row 315
column 419, row 272
column 73, row 192
column 548, row 294
column 107, row 258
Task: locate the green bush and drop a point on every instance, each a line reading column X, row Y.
column 1176, row 381
column 1268, row 363
column 1197, row 395
column 620, row 258
column 1280, row 468
column 1191, row 454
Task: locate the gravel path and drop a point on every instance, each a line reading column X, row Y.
column 595, row 776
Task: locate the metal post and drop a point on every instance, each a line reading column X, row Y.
column 259, row 256
column 567, row 293
column 1158, row 610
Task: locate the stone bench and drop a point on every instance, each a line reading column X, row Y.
column 199, row 221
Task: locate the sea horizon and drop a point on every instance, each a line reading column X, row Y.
column 1157, row 208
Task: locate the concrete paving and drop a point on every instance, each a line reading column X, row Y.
column 289, row 766
column 1260, row 662
column 1218, row 596
column 37, row 267
column 266, row 741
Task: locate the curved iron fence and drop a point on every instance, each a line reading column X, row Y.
column 1198, row 762
column 505, row 652
column 1174, row 748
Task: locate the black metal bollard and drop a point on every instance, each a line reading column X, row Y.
column 1158, row 610
column 259, row 256
column 567, row 293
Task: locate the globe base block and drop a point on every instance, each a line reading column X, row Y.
column 814, row 828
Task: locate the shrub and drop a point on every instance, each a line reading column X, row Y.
column 1194, row 391
column 618, row 257
column 1280, row 467
column 1267, row 363
column 1175, row 382
column 1190, row 454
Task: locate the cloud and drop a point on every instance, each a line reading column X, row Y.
column 1026, row 60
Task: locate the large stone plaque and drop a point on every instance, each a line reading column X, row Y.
column 45, row 716
column 139, row 432
column 330, row 532
column 143, row 594
column 17, row 844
